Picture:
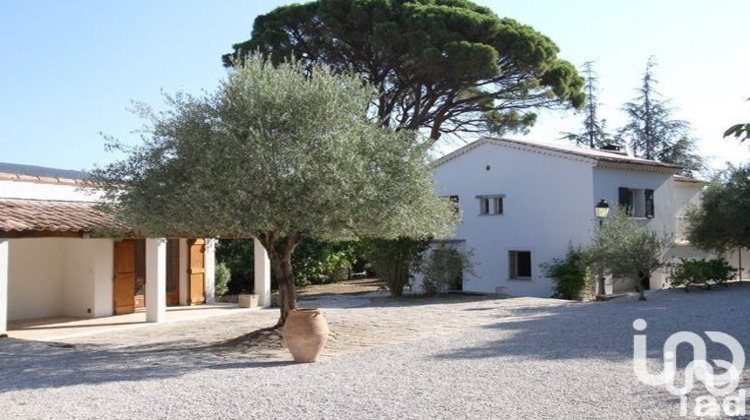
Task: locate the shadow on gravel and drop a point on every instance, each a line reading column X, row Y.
column 38, row 365
column 604, row 330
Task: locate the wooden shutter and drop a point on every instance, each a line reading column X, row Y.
column 649, row 195
column 524, row 264
column 499, row 201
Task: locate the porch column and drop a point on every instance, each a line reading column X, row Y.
column 4, row 270
column 156, row 279
column 210, row 276
column 262, row 274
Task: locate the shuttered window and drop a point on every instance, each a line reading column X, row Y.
column 626, row 200
column 490, row 204
column 649, row 199
column 519, row 263
column 636, row 202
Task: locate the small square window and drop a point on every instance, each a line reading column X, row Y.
column 492, row 204
column 519, row 263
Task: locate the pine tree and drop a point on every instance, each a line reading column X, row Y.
column 594, row 134
column 652, row 133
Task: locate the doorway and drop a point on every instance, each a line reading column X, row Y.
column 173, row 272
column 129, row 289
column 196, row 272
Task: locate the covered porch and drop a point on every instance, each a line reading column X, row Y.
column 56, row 271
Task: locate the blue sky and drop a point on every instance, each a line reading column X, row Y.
column 71, row 69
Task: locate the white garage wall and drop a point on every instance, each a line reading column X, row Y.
column 87, row 290
column 104, row 275
column 78, row 279
column 60, row 276
column 35, row 283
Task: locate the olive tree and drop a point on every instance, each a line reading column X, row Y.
column 624, row 249
column 280, row 153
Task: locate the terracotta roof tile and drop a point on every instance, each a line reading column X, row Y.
column 61, row 217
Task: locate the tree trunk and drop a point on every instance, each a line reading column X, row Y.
column 280, row 255
column 639, row 288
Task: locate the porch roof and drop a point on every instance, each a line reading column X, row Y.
column 35, row 218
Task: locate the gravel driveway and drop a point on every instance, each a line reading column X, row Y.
column 480, row 358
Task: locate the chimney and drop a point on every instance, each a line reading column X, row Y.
column 613, row 148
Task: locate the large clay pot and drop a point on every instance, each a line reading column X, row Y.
column 305, row 334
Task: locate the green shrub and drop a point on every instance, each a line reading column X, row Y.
column 570, row 274
column 221, row 279
column 318, row 262
column 443, row 268
column 395, row 259
column 693, row 272
column 720, row 272
column 237, row 255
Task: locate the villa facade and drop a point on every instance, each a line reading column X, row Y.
column 523, row 203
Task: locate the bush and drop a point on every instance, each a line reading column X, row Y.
column 221, row 279
column 720, row 272
column 237, row 255
column 395, row 259
column 694, row 272
column 443, row 268
column 570, row 274
column 317, row 262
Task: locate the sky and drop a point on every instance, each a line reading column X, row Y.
column 71, row 70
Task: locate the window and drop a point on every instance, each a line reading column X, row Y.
column 637, row 202
column 490, row 204
column 520, row 264
column 454, row 200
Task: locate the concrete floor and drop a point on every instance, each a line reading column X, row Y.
column 59, row 328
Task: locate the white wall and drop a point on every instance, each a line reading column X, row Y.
column 608, row 181
column 103, row 257
column 35, row 282
column 210, row 276
column 47, row 191
column 78, row 278
column 60, row 276
column 548, row 204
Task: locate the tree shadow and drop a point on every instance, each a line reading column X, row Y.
column 605, row 330
column 38, row 365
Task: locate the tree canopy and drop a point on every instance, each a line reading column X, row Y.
column 652, row 132
column 722, row 221
column 279, row 154
column 739, row 131
column 442, row 66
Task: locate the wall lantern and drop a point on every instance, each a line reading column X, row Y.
column 602, row 210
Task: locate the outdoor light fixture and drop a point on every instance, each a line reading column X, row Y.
column 602, row 210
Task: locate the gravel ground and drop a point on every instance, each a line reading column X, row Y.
column 510, row 358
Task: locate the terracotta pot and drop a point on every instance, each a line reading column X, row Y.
column 305, row 334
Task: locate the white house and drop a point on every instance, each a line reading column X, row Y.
column 522, row 203
column 54, row 263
